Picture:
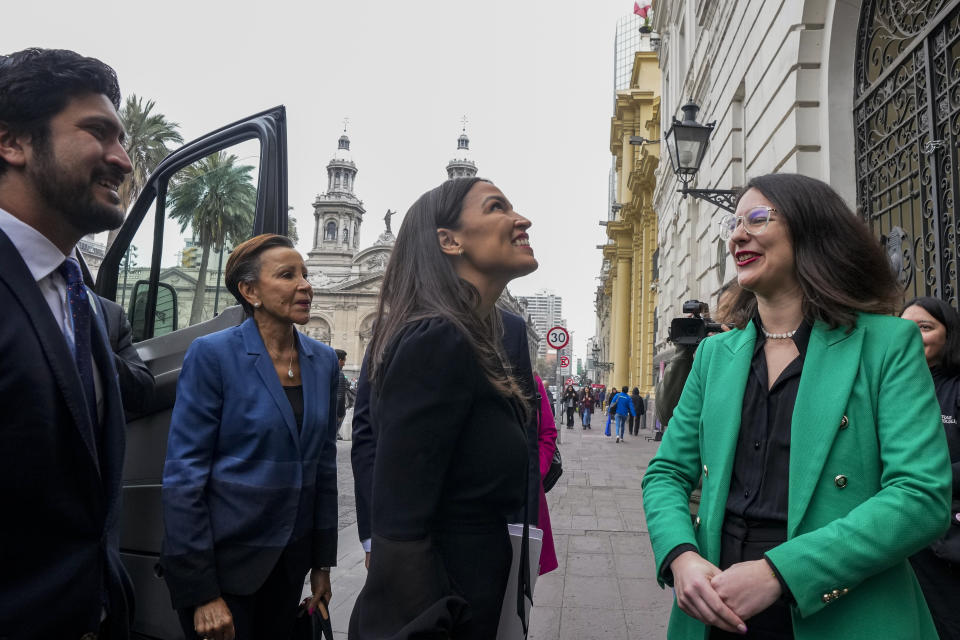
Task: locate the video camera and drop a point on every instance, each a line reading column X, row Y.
column 690, row 331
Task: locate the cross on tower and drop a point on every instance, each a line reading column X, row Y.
column 464, row 121
column 346, row 121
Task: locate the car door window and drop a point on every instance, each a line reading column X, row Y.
column 209, row 208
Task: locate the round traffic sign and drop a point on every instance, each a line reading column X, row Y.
column 564, row 362
column 558, row 337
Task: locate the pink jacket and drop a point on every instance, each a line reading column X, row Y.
column 547, row 437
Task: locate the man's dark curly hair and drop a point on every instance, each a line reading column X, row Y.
column 37, row 84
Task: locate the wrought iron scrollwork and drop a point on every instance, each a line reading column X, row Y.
column 907, row 131
column 724, row 198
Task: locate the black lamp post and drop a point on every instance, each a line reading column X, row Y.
column 687, row 142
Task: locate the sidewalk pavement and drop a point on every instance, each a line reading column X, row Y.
column 604, row 586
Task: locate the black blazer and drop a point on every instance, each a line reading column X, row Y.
column 136, row 381
column 363, row 448
column 449, row 472
column 59, row 483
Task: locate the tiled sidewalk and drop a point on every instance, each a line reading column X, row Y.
column 604, row 586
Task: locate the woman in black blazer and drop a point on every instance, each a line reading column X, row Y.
column 451, row 458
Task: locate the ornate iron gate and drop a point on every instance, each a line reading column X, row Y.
column 907, row 119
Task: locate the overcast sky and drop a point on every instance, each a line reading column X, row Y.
column 534, row 78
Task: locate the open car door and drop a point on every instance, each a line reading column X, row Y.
column 166, row 269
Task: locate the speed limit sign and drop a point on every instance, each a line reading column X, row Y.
column 564, row 362
column 558, row 337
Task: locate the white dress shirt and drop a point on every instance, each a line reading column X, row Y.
column 43, row 258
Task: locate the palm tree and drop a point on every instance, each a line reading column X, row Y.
column 215, row 197
column 148, row 135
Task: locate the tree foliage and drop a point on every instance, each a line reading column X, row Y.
column 149, row 136
column 216, row 199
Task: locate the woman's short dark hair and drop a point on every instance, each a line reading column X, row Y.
column 243, row 265
column 950, row 319
column 420, row 282
column 841, row 267
column 37, row 84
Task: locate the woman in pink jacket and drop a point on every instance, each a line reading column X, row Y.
column 547, row 436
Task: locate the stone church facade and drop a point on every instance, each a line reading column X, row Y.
column 346, row 279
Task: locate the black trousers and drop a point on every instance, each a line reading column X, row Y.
column 569, row 416
column 267, row 613
column 744, row 540
column 633, row 427
column 940, row 582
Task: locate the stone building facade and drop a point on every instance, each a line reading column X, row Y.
column 628, row 291
column 853, row 92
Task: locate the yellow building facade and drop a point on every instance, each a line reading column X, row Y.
column 629, row 273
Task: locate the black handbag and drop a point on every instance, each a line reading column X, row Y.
column 556, row 463
column 315, row 627
column 554, row 472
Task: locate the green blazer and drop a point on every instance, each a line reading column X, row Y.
column 870, row 477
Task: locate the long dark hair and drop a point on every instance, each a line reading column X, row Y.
column 420, row 282
column 950, row 319
column 841, row 267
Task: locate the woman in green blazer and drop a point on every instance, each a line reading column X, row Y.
column 816, row 431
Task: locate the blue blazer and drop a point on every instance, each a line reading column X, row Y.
column 59, row 474
column 240, row 484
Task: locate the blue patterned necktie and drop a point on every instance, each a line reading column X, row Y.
column 79, row 305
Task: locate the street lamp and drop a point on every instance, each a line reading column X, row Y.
column 687, row 142
column 603, row 366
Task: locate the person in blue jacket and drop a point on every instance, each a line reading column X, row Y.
column 250, row 479
column 621, row 405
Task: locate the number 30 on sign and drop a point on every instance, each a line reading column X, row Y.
column 558, row 338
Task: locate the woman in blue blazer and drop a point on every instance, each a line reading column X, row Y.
column 250, row 482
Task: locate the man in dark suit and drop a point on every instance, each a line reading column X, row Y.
column 364, row 446
column 136, row 381
column 62, row 442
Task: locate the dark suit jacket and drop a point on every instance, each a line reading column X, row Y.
column 136, row 381
column 240, row 482
column 59, row 482
column 363, row 449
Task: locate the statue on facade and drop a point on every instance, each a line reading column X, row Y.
column 386, row 220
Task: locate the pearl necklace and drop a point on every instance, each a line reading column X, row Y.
column 777, row 336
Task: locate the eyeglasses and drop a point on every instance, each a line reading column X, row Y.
column 754, row 222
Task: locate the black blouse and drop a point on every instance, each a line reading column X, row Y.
column 759, row 486
column 295, row 398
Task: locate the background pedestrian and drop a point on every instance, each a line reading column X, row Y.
column 570, row 404
column 547, row 439
column 938, row 565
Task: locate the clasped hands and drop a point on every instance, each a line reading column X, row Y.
column 723, row 599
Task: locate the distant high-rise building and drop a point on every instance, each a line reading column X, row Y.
column 545, row 309
column 625, row 44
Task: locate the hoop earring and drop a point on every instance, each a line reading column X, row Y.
column 256, row 305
